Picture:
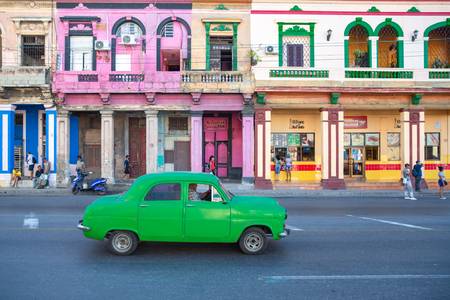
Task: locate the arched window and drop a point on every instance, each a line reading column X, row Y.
column 358, row 44
column 129, row 28
column 439, row 48
column 387, row 48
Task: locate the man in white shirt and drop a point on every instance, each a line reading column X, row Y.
column 31, row 161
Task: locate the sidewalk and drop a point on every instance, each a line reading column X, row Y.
column 238, row 189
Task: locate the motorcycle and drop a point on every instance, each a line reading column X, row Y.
column 80, row 184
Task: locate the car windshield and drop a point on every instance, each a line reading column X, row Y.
column 229, row 194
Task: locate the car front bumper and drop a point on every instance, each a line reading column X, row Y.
column 285, row 233
column 82, row 227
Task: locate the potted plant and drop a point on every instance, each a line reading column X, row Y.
column 254, row 58
column 361, row 58
column 438, row 64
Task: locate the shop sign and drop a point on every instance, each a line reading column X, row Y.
column 216, row 123
column 355, row 122
column 296, row 124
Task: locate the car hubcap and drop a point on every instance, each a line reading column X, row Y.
column 253, row 242
column 121, row 242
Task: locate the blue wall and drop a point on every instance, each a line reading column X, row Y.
column 10, row 147
column 32, row 127
column 74, row 141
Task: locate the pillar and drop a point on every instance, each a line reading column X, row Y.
column 196, row 141
column 413, row 135
column 62, row 148
column 107, row 145
column 248, row 132
column 332, row 148
column 151, row 140
column 263, row 150
column 373, row 51
column 51, row 142
column 6, row 143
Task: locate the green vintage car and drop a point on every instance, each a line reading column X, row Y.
column 183, row 207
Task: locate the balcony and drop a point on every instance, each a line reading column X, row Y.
column 216, row 81
column 24, row 77
column 396, row 78
column 115, row 82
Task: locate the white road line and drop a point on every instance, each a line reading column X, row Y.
column 293, row 228
column 352, row 277
column 392, row 223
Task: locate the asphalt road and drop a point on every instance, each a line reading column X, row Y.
column 340, row 248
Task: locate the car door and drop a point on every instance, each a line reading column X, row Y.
column 206, row 219
column 161, row 213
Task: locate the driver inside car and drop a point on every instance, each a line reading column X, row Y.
column 194, row 195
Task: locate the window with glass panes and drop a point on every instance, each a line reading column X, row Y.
column 432, row 146
column 299, row 146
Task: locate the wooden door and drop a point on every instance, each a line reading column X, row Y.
column 182, row 156
column 137, row 139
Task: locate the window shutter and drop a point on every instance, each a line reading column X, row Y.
column 67, row 53
column 290, row 55
column 299, row 55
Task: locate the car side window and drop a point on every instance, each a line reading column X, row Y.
column 203, row 192
column 164, row 191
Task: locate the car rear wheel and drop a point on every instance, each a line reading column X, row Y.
column 253, row 241
column 122, row 242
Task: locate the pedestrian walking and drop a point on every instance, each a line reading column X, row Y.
column 126, row 167
column 406, row 179
column 277, row 167
column 442, row 182
column 31, row 161
column 212, row 165
column 417, row 173
column 288, row 167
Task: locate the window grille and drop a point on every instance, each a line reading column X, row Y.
column 288, row 42
column 387, row 48
column 167, row 30
column 178, row 123
column 33, row 50
column 439, row 48
column 358, row 47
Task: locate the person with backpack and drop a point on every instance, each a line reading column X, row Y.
column 417, row 173
column 31, row 161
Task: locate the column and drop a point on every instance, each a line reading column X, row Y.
column 262, row 150
column 62, row 148
column 196, row 141
column 107, row 146
column 248, row 133
column 413, row 136
column 51, row 142
column 373, row 51
column 6, row 143
column 332, row 148
column 151, row 140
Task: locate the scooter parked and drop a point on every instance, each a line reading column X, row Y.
column 81, row 184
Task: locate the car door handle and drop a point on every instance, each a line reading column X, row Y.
column 190, row 205
column 143, row 205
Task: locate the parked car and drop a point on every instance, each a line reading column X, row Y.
column 183, row 207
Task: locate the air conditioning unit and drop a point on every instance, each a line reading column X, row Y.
column 102, row 45
column 129, row 39
column 271, row 50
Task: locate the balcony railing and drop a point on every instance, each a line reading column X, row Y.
column 211, row 77
column 299, row 73
column 87, row 78
column 379, row 74
column 439, row 74
column 24, row 76
column 126, row 77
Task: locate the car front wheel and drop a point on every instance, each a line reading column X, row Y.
column 122, row 242
column 253, row 241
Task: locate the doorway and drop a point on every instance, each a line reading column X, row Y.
column 182, row 156
column 137, row 141
column 354, row 162
column 217, row 143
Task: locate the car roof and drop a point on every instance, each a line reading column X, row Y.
column 178, row 176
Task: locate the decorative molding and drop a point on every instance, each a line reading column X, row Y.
column 105, row 98
column 295, row 8
column 196, row 98
column 334, row 98
column 151, row 98
column 221, row 27
column 413, row 9
column 296, row 31
column 248, row 99
column 373, row 9
column 416, row 98
column 80, row 19
column 221, row 7
column 261, row 98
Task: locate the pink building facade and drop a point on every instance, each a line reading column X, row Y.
column 123, row 88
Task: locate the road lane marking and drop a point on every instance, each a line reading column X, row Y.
column 351, row 277
column 31, row 221
column 293, row 228
column 391, row 222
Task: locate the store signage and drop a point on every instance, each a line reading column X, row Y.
column 216, row 123
column 355, row 122
column 296, row 124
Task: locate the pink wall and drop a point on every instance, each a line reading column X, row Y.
column 236, row 142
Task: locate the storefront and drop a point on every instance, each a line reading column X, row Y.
column 372, row 146
column 296, row 134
